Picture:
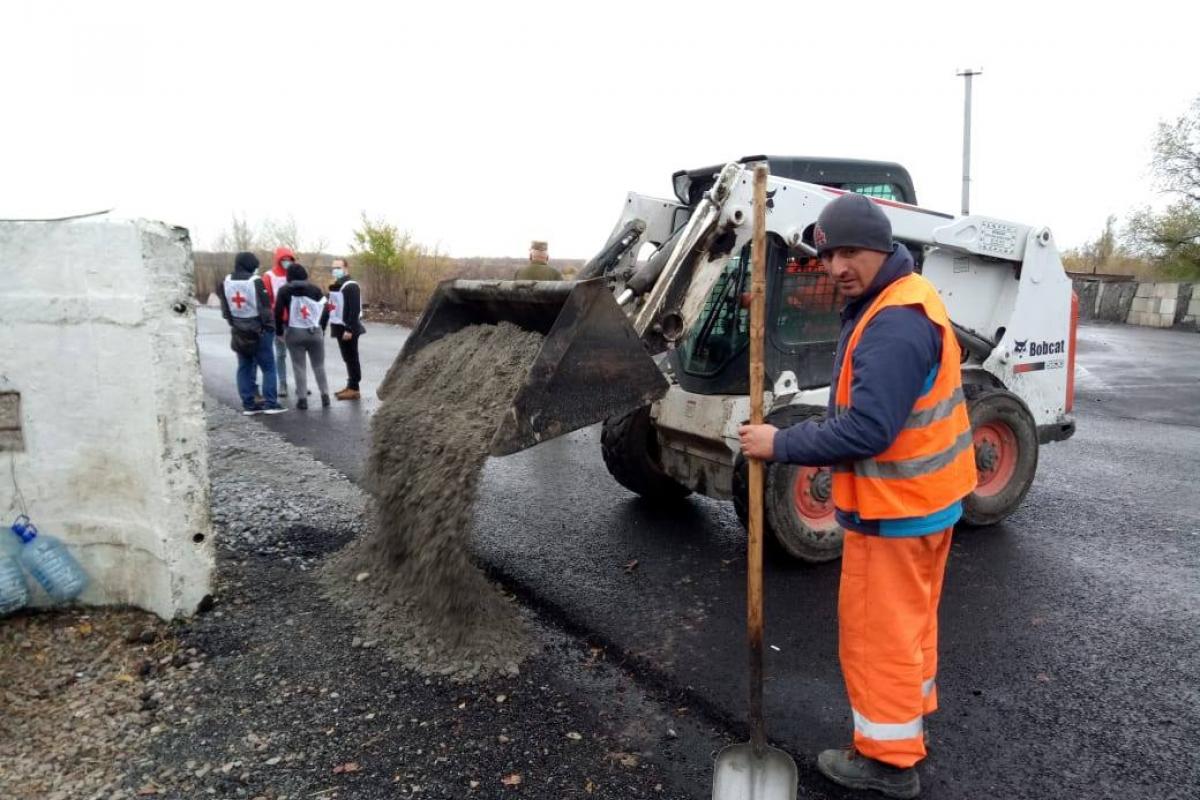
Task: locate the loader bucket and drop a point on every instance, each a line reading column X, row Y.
column 591, row 364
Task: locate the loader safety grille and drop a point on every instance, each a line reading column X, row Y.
column 809, row 309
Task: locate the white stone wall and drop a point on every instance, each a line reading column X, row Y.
column 98, row 337
column 1154, row 305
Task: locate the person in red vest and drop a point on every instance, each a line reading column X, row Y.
column 899, row 440
column 274, row 280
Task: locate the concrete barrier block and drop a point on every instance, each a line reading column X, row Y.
column 1141, row 304
column 99, row 340
column 1145, row 290
column 1166, row 290
column 1167, row 306
column 1194, row 307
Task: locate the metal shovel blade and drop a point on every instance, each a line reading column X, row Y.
column 591, row 366
column 740, row 774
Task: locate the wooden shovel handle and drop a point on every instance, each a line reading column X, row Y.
column 754, row 598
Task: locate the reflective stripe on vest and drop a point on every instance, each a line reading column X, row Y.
column 931, row 464
column 919, row 419
column 336, row 305
column 304, row 312
column 908, row 468
column 888, row 731
column 242, row 297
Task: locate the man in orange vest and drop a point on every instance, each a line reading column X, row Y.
column 899, row 440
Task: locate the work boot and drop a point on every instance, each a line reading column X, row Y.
column 349, row 394
column 302, row 404
column 853, row 770
column 324, row 401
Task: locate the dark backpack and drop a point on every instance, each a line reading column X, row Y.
column 243, row 342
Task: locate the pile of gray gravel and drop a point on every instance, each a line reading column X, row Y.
column 413, row 578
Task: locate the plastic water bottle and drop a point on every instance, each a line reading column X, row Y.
column 14, row 592
column 49, row 562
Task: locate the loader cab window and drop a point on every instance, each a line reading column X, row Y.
column 884, row 191
column 723, row 328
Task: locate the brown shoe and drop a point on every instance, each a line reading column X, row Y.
column 348, row 394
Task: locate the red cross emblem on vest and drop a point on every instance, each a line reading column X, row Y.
column 239, row 299
column 304, row 312
column 332, row 306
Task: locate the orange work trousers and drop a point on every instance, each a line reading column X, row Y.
column 887, row 626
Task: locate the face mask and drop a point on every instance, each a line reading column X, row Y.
column 338, row 273
column 285, row 263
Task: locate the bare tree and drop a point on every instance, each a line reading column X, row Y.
column 1176, row 162
column 282, row 233
column 240, row 236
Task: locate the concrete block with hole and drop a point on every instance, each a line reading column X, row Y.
column 101, row 406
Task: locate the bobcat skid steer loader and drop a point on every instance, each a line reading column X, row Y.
column 1003, row 283
column 653, row 338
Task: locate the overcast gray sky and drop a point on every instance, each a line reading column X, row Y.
column 481, row 126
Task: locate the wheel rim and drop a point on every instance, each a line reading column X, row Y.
column 995, row 457
column 812, row 494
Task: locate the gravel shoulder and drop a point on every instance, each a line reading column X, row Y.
column 281, row 692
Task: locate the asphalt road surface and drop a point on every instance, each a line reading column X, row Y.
column 1070, row 656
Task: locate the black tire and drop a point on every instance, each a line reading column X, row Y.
column 793, row 524
column 1006, row 454
column 631, row 453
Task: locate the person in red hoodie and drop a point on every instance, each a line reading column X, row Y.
column 274, row 280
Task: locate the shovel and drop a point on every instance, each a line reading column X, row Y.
column 755, row 770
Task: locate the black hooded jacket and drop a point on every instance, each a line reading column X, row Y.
column 351, row 313
column 244, row 267
column 297, row 286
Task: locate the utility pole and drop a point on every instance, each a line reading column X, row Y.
column 968, row 74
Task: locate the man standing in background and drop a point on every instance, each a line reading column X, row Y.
column 538, row 268
column 344, row 313
column 245, row 306
column 274, row 280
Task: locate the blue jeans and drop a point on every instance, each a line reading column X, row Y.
column 264, row 359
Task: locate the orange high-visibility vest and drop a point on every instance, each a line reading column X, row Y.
column 931, row 464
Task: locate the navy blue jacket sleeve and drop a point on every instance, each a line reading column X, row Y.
column 892, row 362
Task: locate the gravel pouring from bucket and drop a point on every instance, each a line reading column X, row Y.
column 591, row 365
